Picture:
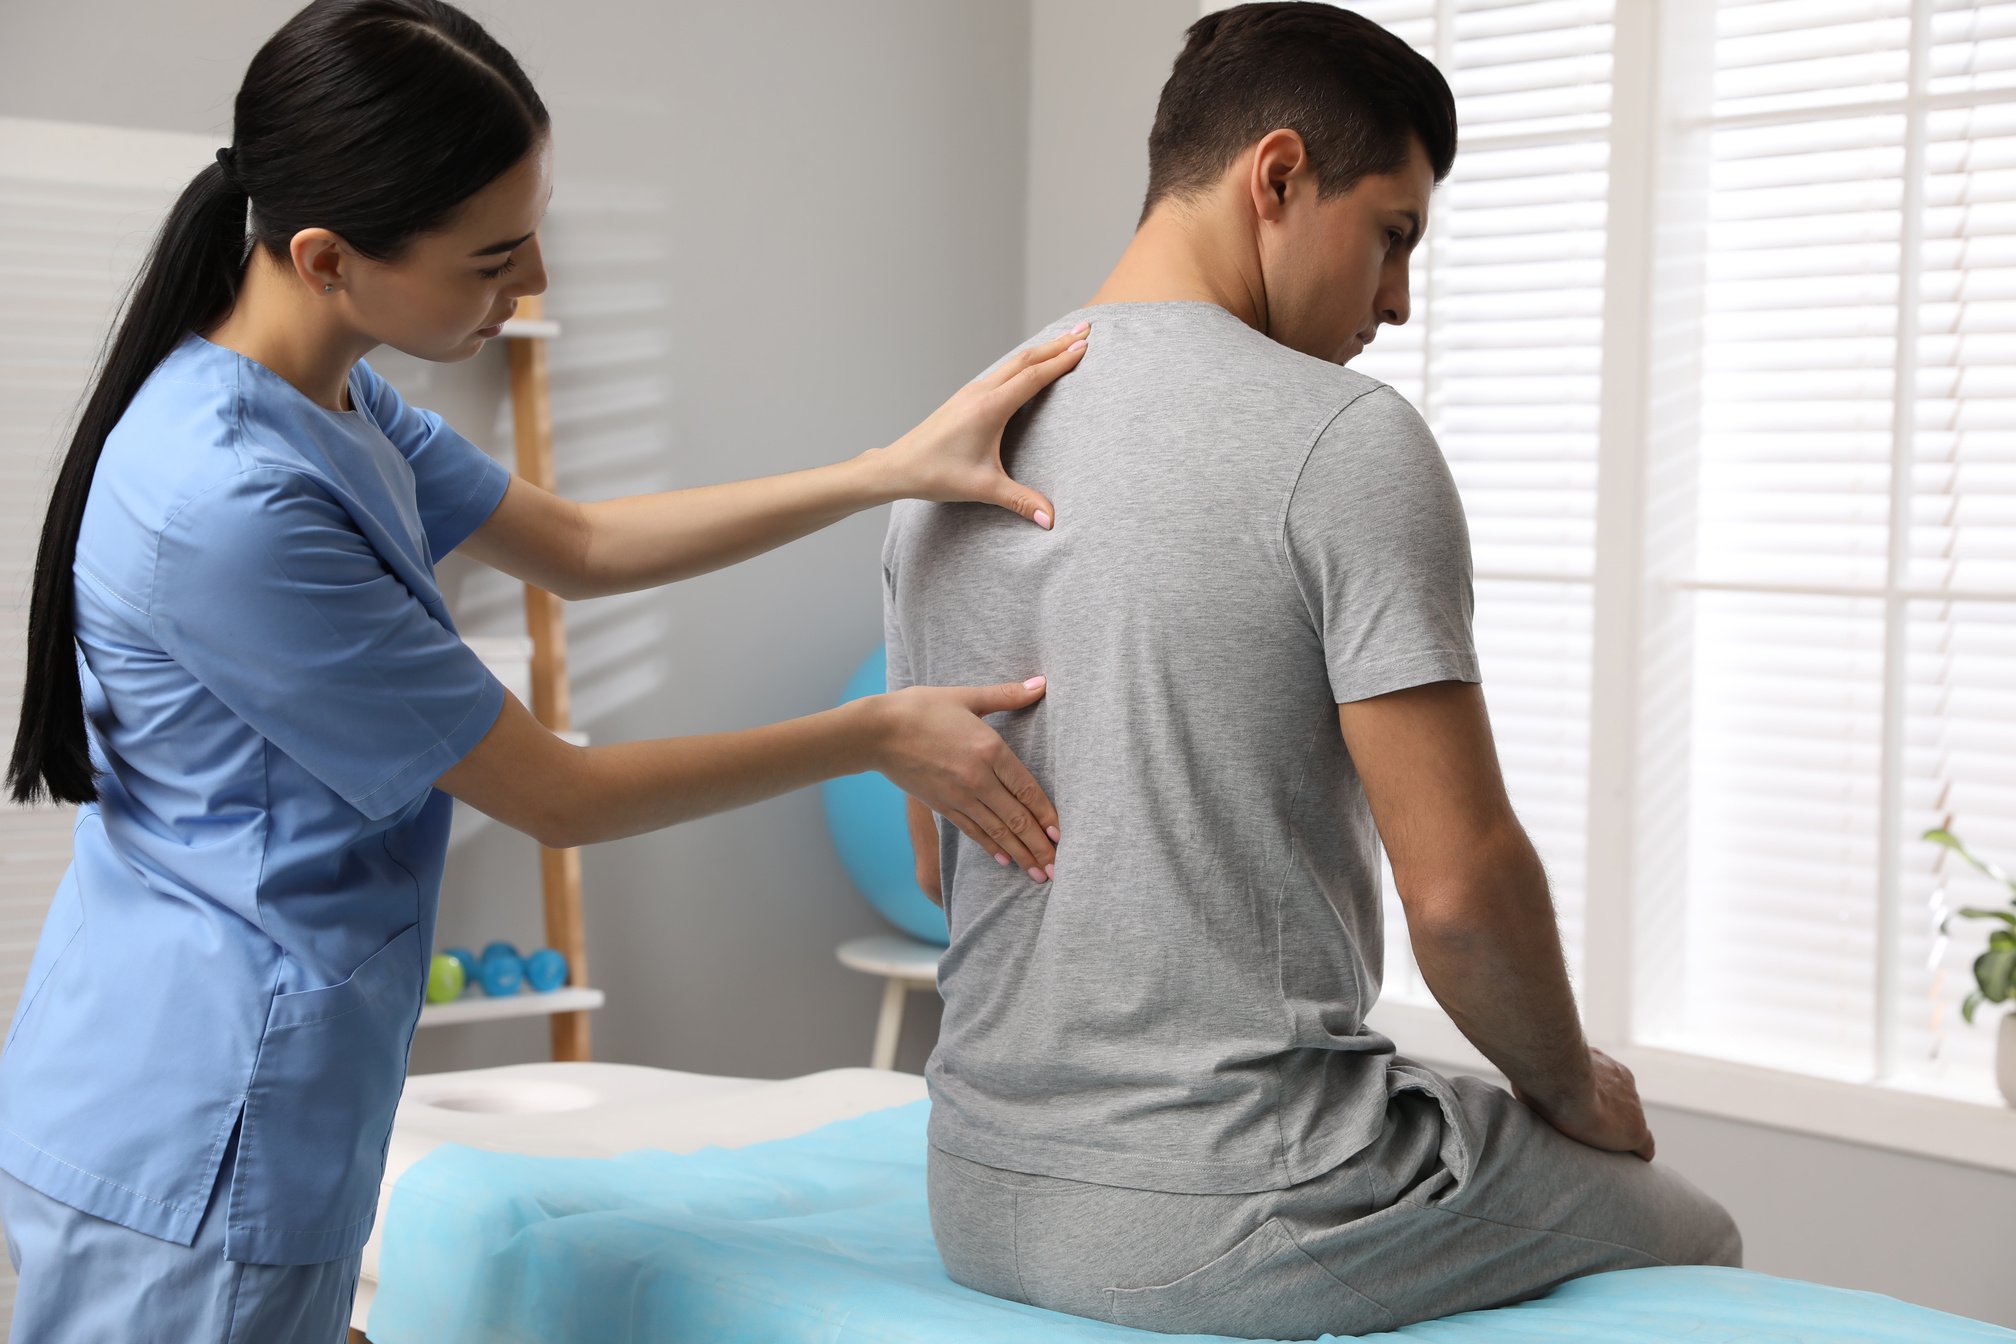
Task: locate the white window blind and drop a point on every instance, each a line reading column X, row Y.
column 1854, row 585
column 1502, row 355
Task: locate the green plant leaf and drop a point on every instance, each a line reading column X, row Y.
column 1994, row 969
column 1941, row 836
column 1976, row 912
column 1968, row 1006
column 2002, row 938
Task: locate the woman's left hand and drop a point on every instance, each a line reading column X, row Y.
column 955, row 455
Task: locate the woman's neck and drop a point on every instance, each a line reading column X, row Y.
column 275, row 322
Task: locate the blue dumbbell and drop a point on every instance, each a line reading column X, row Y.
column 472, row 970
column 502, row 972
column 546, row 970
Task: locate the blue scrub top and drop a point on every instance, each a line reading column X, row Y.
column 272, row 684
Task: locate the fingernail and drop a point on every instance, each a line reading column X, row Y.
column 1042, row 518
column 1075, row 345
column 1035, row 874
column 1050, row 871
column 1081, row 328
column 1032, row 683
column 1051, row 831
column 1001, row 859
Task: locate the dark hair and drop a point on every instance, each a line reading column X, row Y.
column 374, row 119
column 1356, row 94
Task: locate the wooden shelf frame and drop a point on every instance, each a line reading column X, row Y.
column 525, row 337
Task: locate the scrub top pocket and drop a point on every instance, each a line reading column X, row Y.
column 328, row 1078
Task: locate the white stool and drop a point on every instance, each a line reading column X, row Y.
column 905, row 964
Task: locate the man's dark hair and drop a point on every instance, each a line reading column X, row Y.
column 1355, row 93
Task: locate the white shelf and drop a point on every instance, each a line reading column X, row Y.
column 543, row 327
column 479, row 1007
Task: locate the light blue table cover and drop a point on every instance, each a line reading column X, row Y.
column 825, row 1239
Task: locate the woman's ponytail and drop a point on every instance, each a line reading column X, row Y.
column 188, row 284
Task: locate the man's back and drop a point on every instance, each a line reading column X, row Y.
column 1246, row 536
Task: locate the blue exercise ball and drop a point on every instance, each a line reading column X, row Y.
column 866, row 814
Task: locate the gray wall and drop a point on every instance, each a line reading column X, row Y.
column 833, row 266
column 781, row 235
column 1094, row 73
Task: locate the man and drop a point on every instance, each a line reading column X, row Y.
column 1155, row 1100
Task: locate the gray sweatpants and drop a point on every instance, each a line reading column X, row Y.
column 1469, row 1199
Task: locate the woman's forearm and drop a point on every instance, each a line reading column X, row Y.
column 955, row 454
column 628, row 788
column 645, row 540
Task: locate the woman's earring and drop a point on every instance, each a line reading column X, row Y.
column 327, row 288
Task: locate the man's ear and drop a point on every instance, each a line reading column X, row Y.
column 1278, row 167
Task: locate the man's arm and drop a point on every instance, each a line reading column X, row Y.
column 924, row 845
column 1482, row 922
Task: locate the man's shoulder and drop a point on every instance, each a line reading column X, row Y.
column 1309, row 400
column 1188, row 354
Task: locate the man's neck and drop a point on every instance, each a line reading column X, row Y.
column 1173, row 257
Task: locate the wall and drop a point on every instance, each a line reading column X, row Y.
column 1094, row 74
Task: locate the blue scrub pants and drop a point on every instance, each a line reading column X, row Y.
column 86, row 1279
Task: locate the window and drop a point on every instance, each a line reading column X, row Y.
column 1503, row 355
column 1716, row 324
column 1854, row 567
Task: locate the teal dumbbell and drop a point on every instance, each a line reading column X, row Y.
column 546, row 970
column 502, row 970
column 472, row 969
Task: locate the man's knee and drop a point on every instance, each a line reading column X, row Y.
column 1711, row 1236
column 1726, row 1245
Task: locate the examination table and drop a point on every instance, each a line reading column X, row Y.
column 793, row 1212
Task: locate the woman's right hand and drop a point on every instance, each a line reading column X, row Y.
column 933, row 745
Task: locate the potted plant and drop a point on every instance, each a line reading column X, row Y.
column 1995, row 969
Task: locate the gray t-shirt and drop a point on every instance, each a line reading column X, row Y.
column 1245, row 537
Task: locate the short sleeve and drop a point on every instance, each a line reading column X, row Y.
column 1378, row 545
column 268, row 595
column 457, row 484
column 898, row 652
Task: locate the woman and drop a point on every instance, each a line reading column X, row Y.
column 235, row 591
